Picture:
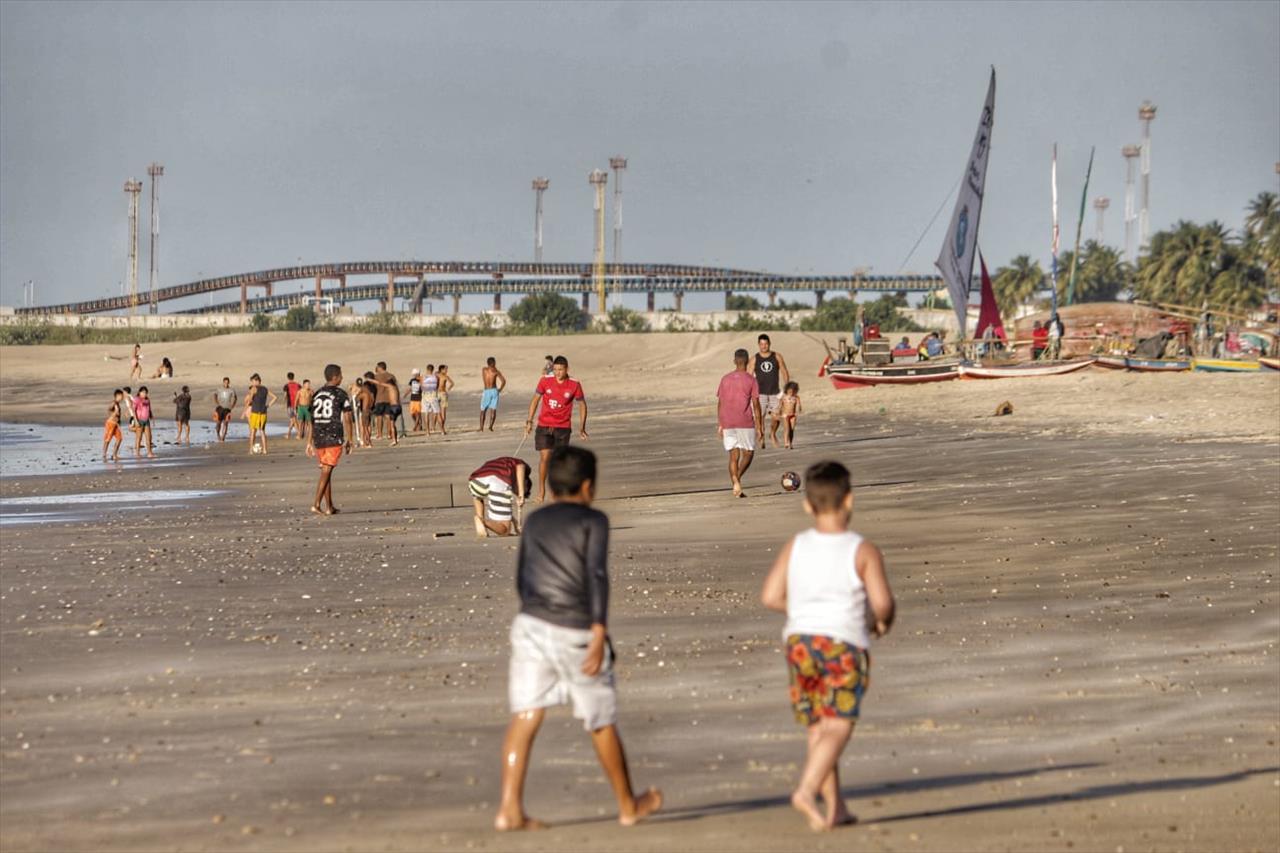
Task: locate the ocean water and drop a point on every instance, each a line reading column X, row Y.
column 28, row 450
column 91, row 506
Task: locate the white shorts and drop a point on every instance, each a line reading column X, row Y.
column 740, row 439
column 546, row 670
column 430, row 403
column 770, row 403
column 496, row 494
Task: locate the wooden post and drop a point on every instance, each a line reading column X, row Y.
column 319, row 286
column 773, row 298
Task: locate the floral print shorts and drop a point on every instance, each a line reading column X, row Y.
column 828, row 677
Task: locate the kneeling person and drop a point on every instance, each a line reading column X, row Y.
column 495, row 481
column 560, row 649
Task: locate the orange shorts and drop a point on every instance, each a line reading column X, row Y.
column 329, row 456
column 110, row 430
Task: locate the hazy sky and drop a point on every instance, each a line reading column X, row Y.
column 782, row 137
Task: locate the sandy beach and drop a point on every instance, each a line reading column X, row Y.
column 1085, row 656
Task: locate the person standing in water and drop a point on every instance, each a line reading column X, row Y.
column 305, row 393
column 258, row 400
column 142, row 412
column 182, row 414
column 224, row 401
column 135, row 363
column 111, row 428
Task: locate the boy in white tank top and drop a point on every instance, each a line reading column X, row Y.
column 831, row 584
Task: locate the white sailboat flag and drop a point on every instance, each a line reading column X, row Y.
column 958, row 250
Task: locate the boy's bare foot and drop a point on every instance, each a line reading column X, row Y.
column 808, row 807
column 317, row 510
column 645, row 804
column 502, row 823
column 333, row 510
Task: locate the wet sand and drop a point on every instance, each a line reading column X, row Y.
column 1086, row 653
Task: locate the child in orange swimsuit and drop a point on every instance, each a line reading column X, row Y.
column 111, row 429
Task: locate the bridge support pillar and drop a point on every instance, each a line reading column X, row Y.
column 818, row 297
column 853, row 294
column 267, row 288
column 244, row 298
column 728, row 294
column 457, row 303
column 319, row 286
column 586, row 300
column 389, row 302
column 773, row 298
column 649, row 302
column 679, row 294
column 497, row 302
column 342, row 287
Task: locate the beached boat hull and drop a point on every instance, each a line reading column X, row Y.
column 862, row 376
column 1111, row 362
column 1270, row 363
column 1224, row 365
column 1158, row 365
column 1022, row 369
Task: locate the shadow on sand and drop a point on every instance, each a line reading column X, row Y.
column 915, row 785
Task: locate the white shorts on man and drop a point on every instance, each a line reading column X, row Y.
column 546, row 670
column 739, row 439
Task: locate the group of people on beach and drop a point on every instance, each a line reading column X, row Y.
column 134, row 412
column 759, row 386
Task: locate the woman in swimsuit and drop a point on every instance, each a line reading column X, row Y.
column 135, row 362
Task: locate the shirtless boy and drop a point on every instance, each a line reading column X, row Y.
column 494, row 382
column 305, row 394
column 446, row 384
column 111, row 429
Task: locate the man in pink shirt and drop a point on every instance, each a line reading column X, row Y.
column 738, row 415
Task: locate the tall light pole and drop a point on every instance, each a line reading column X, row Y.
column 133, row 188
column 598, row 179
column 1130, row 153
column 617, row 164
column 539, row 187
column 155, row 170
column 1146, row 113
column 1100, row 204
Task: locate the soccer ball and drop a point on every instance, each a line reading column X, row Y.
column 257, row 448
column 790, row 481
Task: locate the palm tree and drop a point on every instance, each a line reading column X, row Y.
column 1100, row 276
column 1016, row 283
column 1196, row 264
column 1262, row 237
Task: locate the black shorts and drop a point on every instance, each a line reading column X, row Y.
column 549, row 438
column 393, row 410
column 183, row 417
column 380, row 409
column 222, row 413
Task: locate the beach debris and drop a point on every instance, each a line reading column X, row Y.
column 1005, row 408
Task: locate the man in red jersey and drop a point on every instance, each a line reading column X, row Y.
column 555, row 422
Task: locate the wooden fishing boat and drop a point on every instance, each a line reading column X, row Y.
column 864, row 375
column 1022, row 369
column 1111, row 362
column 1158, row 365
column 1270, row 363
column 1224, row 365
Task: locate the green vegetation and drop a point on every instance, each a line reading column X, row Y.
column 32, row 332
column 1016, row 283
column 300, row 318
column 624, row 320
column 742, row 302
column 261, row 322
column 546, row 314
column 747, row 323
column 841, row 313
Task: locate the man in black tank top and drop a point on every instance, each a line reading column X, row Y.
column 772, row 376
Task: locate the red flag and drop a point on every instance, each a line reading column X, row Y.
column 989, row 313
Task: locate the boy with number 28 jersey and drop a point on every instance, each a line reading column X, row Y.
column 330, row 435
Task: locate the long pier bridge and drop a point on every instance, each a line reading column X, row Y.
column 413, row 281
